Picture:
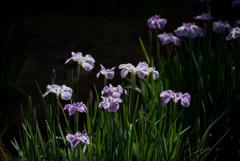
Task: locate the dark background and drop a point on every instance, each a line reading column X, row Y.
column 38, row 36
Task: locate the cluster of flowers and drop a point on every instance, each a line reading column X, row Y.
column 110, row 94
column 191, row 30
column 175, row 96
column 112, row 100
column 142, row 70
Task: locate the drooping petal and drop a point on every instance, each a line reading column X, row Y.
column 116, row 94
column 124, row 72
column 155, row 74
column 71, row 111
column 106, row 104
column 165, row 100
column 109, row 74
column 185, row 100
column 114, row 107
column 73, row 141
column 141, row 74
column 84, row 138
column 87, row 66
column 66, row 95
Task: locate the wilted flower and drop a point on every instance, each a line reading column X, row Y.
column 155, row 22
column 77, row 137
column 189, row 30
column 81, row 107
column 220, row 26
column 115, row 92
column 64, row 91
column 110, row 103
column 204, row 17
column 175, row 96
column 87, row 62
column 109, row 73
column 235, row 33
column 167, row 38
column 141, row 70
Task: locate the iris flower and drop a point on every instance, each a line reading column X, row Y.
column 175, row 96
column 77, row 137
column 109, row 73
column 220, row 26
column 189, row 30
column 63, row 91
column 155, row 22
column 87, row 62
column 141, row 70
column 110, row 103
column 235, row 33
column 167, row 38
column 81, row 107
column 204, row 17
column 115, row 92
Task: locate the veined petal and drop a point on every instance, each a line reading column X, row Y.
column 114, row 107
column 66, row 96
column 87, row 66
column 185, row 100
column 106, row 105
column 124, row 72
column 155, row 74
column 71, row 111
column 165, row 100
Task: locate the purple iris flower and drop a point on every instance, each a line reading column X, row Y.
column 77, row 137
column 141, row 70
column 167, row 96
column 115, row 92
column 155, row 22
column 175, row 96
column 235, row 33
column 64, row 91
column 220, row 26
column 81, row 107
column 87, row 62
column 204, row 17
column 167, row 38
column 110, row 103
column 189, row 30
column 109, row 73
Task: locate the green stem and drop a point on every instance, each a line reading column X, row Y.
column 133, row 85
column 68, row 127
column 78, row 77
